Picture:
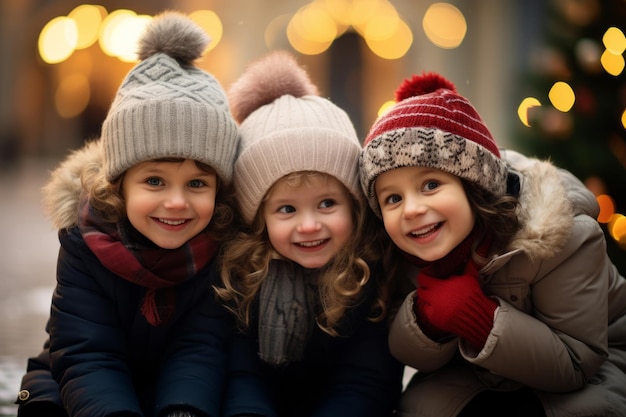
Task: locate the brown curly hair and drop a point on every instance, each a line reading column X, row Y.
column 496, row 217
column 247, row 257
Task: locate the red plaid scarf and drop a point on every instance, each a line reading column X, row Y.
column 130, row 255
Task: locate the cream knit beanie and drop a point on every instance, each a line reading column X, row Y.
column 286, row 127
column 166, row 107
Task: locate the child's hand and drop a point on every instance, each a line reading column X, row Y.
column 455, row 305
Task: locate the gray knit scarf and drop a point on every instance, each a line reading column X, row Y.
column 287, row 302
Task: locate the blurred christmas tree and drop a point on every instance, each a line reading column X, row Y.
column 577, row 75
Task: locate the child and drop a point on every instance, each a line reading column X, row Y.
column 518, row 310
column 135, row 329
column 313, row 340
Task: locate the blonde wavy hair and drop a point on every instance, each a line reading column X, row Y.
column 341, row 285
column 107, row 197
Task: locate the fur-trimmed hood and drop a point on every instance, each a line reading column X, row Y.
column 62, row 193
column 549, row 199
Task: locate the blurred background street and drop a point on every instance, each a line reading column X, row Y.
column 27, row 272
column 547, row 76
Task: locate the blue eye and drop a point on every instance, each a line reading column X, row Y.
column 327, row 203
column 431, row 185
column 154, row 181
column 393, row 199
column 196, row 183
column 287, row 209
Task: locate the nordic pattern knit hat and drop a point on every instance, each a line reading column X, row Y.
column 431, row 125
column 286, row 127
column 166, row 107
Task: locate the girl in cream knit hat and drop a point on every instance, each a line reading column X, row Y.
column 301, row 278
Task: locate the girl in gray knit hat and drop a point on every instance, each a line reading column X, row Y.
column 301, row 278
column 135, row 329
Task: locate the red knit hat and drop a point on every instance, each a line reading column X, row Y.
column 431, row 125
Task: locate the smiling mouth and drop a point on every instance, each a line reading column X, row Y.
column 312, row 243
column 421, row 233
column 172, row 222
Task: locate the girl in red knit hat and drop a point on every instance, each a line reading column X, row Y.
column 513, row 306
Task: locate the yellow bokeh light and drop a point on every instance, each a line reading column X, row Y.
column 88, row 18
column 109, row 37
column 212, row 25
column 72, row 95
column 302, row 44
column 607, row 208
column 395, row 46
column 58, row 39
column 562, row 96
column 612, row 63
column 614, row 40
column 313, row 23
column 386, row 106
column 362, row 11
column 624, row 119
column 126, row 37
column 339, row 10
column 444, row 25
column 617, row 227
column 522, row 110
column 384, row 26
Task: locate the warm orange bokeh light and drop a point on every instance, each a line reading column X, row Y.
column 607, row 208
column 617, row 227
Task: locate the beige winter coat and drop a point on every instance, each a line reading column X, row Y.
column 562, row 314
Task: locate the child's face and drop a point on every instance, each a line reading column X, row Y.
column 426, row 211
column 311, row 222
column 169, row 202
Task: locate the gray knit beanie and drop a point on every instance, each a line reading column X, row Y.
column 286, row 127
column 167, row 107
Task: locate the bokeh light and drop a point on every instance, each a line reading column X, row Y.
column 58, row 39
column 72, row 95
column 444, row 25
column 212, row 25
column 617, row 227
column 607, row 208
column 385, row 107
column 614, row 40
column 311, row 30
column 384, row 26
column 612, row 63
column 110, row 38
column 395, row 46
column 340, row 10
column 88, row 18
column 522, row 110
column 562, row 96
column 125, row 38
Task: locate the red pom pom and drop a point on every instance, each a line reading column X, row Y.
column 423, row 84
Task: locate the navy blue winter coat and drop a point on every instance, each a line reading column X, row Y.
column 107, row 359
column 338, row 377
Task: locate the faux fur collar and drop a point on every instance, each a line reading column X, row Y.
column 62, row 193
column 549, row 200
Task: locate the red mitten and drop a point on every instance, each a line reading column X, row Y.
column 454, row 305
